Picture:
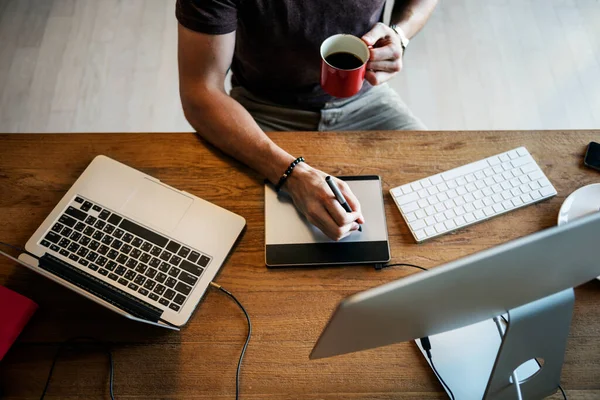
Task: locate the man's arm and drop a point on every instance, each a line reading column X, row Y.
column 386, row 52
column 411, row 15
column 203, row 63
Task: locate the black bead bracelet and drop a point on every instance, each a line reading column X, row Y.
column 288, row 172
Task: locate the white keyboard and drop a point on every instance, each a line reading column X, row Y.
column 472, row 193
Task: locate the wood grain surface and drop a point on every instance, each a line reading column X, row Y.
column 288, row 307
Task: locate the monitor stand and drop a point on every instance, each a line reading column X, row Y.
column 477, row 363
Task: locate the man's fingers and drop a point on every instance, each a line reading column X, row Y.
column 389, row 52
column 352, row 202
column 339, row 215
column 376, row 78
column 385, row 66
column 321, row 218
column 377, row 32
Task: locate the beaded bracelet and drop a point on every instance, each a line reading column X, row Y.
column 288, row 172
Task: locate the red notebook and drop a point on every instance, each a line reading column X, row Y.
column 15, row 311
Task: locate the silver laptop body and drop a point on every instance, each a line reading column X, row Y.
column 133, row 244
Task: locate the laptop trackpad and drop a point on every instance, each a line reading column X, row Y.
column 156, row 205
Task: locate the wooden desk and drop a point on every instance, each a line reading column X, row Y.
column 288, row 307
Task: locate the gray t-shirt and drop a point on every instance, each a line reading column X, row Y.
column 277, row 41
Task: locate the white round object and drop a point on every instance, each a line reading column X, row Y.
column 582, row 202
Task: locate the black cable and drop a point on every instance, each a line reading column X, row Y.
column 95, row 341
column 379, row 267
column 426, row 344
column 540, row 365
column 239, row 366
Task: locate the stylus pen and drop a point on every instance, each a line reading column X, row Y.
column 340, row 197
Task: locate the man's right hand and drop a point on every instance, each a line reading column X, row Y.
column 312, row 196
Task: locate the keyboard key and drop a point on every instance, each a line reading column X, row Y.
column 123, row 281
column 187, row 278
column 74, row 257
column 194, row 256
column 147, row 246
column 479, row 214
column 161, row 277
column 459, row 221
column 75, row 236
column 101, row 261
column 64, row 253
column 45, row 243
column 141, row 268
column 107, row 240
column 469, row 217
column 116, row 244
column 517, row 201
column 145, row 258
column 137, row 242
column 127, row 238
column 54, row 247
column 111, row 265
column 527, row 198
column 131, row 263
column 173, row 247
column 449, row 224
column 114, row 219
column 109, row 229
column 144, row 233
column 165, row 256
column 547, row 191
column 159, row 289
column 93, row 267
column 440, row 217
column 94, row 245
column 164, row 302
column 407, row 208
column 119, row 233
column 411, row 217
column 65, row 220
column 174, row 271
column 78, row 200
column 407, row 198
column 82, row 252
column 136, row 253
column 149, row 284
column 420, row 234
column 98, row 235
column 90, row 220
column 64, row 243
column 429, row 221
column 440, row 227
column 79, row 227
column 416, row 186
column 126, row 249
column 536, row 194
column 488, row 211
column 52, row 237
column 498, row 208
column 169, row 294
column 151, row 272
column 175, row 260
column 99, row 224
column 130, row 274
column 156, row 250
column 104, row 214
column 133, row 286
column 153, row 296
column 73, row 212
column 57, row 227
column 174, row 307
column 86, row 206
column 164, row 267
column 143, row 291
column 92, row 256
column 189, row 267
column 171, row 282
column 112, row 276
column 103, row 272
column 183, row 252
column 140, row 279
column 430, row 231
column 179, row 299
column 417, row 225
column 120, row 270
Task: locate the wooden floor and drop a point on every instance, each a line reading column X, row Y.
column 110, row 66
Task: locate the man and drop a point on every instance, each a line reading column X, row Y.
column 272, row 47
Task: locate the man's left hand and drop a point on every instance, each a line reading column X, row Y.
column 386, row 54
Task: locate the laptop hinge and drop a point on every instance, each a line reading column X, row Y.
column 100, row 289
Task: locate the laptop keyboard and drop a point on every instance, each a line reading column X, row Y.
column 156, row 267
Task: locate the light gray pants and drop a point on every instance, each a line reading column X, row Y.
column 380, row 108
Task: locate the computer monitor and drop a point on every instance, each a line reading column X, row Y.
column 466, row 291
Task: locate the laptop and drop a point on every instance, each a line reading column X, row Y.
column 133, row 244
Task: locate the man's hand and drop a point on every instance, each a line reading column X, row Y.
column 386, row 54
column 316, row 201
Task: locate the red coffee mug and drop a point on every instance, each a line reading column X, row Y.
column 343, row 82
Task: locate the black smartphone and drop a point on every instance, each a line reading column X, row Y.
column 592, row 156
